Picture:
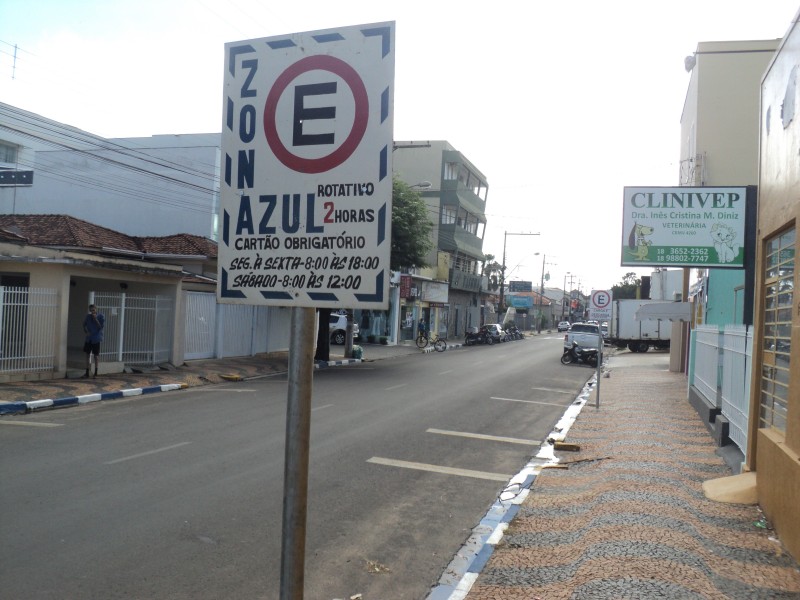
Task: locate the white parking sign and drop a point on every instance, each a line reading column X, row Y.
column 305, row 199
column 600, row 305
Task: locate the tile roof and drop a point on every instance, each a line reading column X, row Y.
column 64, row 231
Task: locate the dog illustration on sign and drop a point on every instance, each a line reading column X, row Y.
column 724, row 236
column 638, row 244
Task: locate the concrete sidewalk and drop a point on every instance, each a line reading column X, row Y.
column 625, row 516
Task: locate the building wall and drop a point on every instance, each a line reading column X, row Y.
column 725, row 297
column 719, row 141
column 416, row 162
column 774, row 453
column 161, row 185
column 728, row 99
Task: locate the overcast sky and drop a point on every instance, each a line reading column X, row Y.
column 559, row 104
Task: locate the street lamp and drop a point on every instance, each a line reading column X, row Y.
column 503, row 269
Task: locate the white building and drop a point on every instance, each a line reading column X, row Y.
column 160, row 185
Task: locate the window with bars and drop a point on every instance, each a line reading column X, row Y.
column 8, row 153
column 776, row 340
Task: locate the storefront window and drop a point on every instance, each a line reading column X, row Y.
column 776, row 340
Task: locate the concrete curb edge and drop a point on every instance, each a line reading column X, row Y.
column 462, row 572
column 12, row 408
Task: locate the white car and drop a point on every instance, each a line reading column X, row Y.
column 338, row 329
column 563, row 326
column 496, row 332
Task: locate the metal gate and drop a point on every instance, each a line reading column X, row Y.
column 28, row 325
column 138, row 328
column 200, row 325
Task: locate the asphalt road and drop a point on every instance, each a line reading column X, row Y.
column 179, row 495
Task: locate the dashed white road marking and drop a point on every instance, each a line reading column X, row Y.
column 148, row 453
column 227, row 390
column 528, row 401
column 29, row 423
column 555, row 391
column 481, row 436
column 321, row 407
column 446, row 372
column 403, row 464
column 395, row 387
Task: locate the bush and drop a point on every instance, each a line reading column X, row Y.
column 371, row 338
column 384, row 340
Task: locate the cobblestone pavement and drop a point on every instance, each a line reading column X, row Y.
column 627, row 517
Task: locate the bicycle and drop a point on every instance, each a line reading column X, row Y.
column 439, row 344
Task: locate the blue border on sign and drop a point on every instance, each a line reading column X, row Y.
column 236, row 62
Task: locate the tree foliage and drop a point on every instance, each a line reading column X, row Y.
column 627, row 288
column 411, row 228
column 492, row 270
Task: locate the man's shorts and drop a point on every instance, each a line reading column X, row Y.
column 89, row 347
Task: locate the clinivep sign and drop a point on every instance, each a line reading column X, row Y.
column 684, row 226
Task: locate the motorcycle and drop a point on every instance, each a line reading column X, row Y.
column 478, row 336
column 513, row 333
column 579, row 354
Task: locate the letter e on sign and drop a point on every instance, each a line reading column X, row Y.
column 600, row 305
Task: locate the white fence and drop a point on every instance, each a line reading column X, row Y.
column 28, row 320
column 707, row 361
column 138, row 328
column 722, row 367
column 218, row 330
column 736, row 368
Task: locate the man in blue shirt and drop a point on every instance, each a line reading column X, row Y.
column 93, row 328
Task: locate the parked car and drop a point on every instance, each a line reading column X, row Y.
column 497, row 333
column 338, row 329
column 563, row 326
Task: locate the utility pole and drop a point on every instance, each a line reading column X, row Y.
column 541, row 300
column 571, row 277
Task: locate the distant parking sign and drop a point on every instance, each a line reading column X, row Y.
column 305, row 201
column 600, row 305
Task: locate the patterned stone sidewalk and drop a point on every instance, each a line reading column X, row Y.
column 628, row 518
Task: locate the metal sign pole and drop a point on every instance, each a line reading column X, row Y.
column 298, row 434
column 599, row 368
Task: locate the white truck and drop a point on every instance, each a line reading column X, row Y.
column 586, row 335
column 639, row 336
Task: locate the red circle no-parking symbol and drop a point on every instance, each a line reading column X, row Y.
column 601, row 299
column 346, row 149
